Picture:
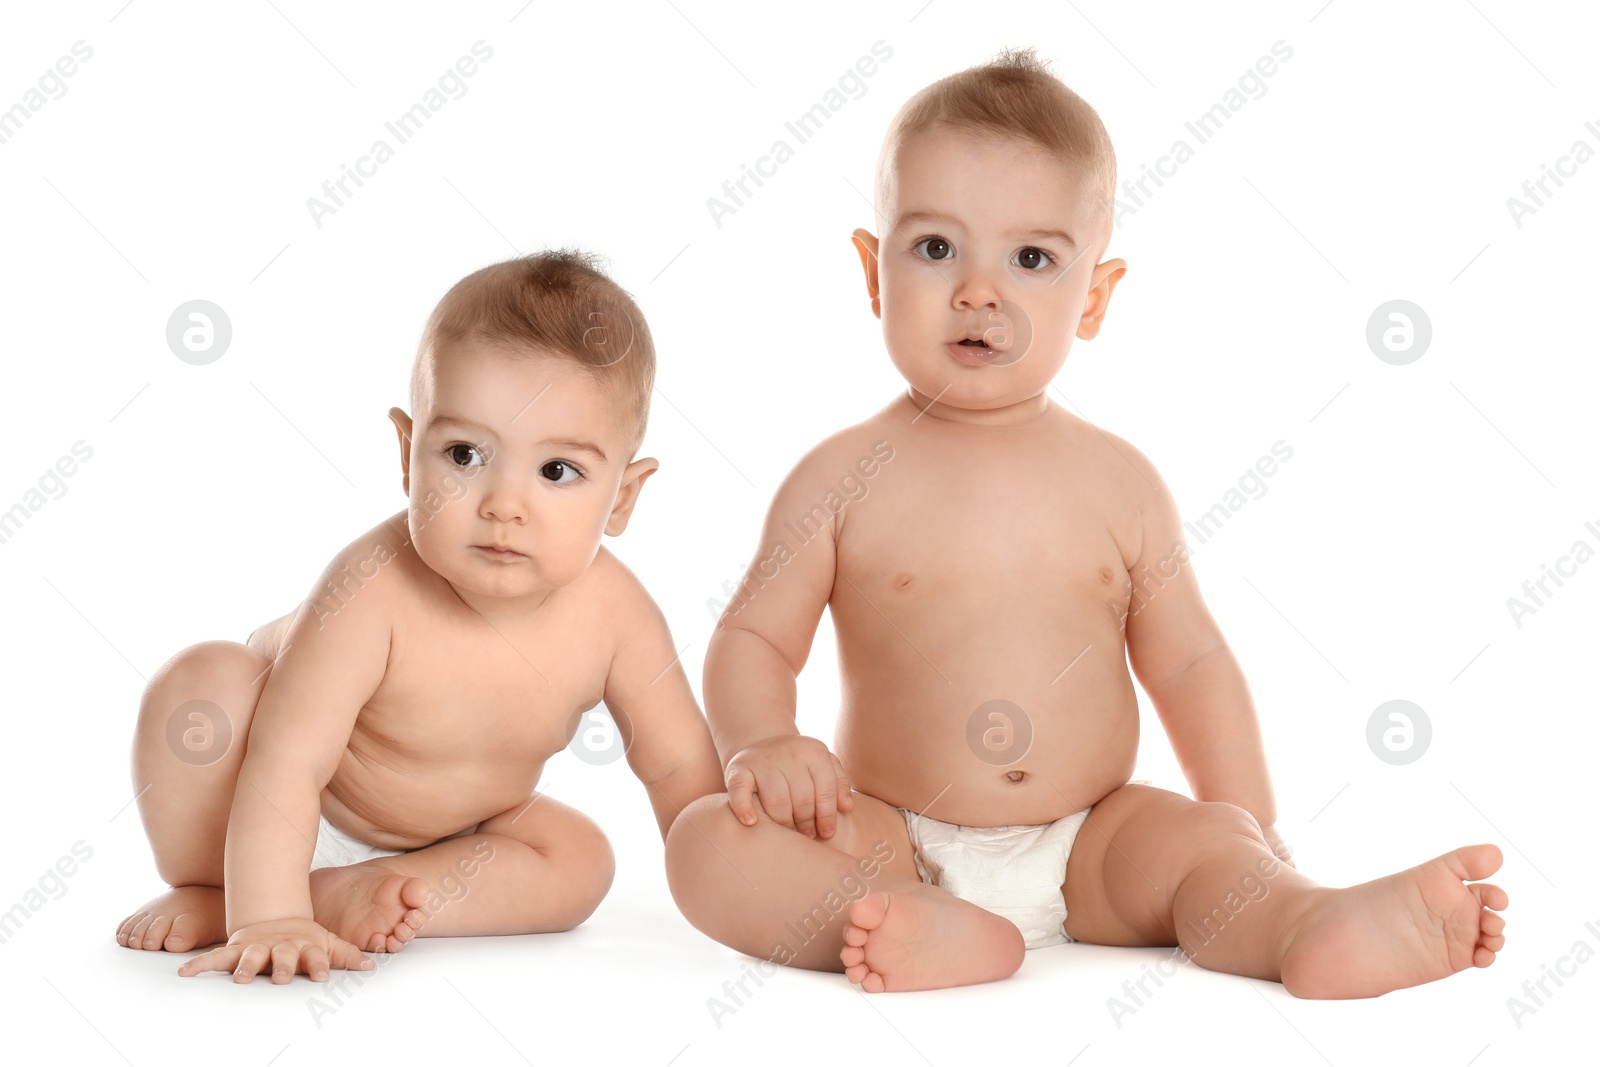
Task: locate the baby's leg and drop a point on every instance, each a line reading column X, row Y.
column 852, row 903
column 1150, row 867
column 187, row 749
column 539, row 867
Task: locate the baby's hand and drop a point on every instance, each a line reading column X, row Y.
column 799, row 782
column 288, row 946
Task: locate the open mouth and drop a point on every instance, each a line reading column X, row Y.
column 975, row 343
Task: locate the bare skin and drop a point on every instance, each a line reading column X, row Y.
column 415, row 696
column 982, row 544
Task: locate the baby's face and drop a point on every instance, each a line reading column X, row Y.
column 984, row 240
column 515, row 468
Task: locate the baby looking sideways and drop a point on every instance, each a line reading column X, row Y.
column 988, row 595
column 399, row 719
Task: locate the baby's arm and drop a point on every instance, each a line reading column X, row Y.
column 759, row 648
column 1184, row 663
column 331, row 665
column 647, row 692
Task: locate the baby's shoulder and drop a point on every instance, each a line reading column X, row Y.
column 1117, row 460
column 382, row 558
column 613, row 588
column 857, row 450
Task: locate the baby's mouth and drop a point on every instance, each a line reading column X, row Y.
column 979, row 343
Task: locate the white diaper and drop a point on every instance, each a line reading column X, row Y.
column 1013, row 871
column 335, row 848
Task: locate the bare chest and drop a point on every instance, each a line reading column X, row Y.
column 463, row 689
column 949, row 531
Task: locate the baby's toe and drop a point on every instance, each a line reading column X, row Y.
column 157, row 931
column 413, row 892
column 125, row 928
column 136, row 935
column 1490, row 895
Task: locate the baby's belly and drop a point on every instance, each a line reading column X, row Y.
column 393, row 802
column 988, row 739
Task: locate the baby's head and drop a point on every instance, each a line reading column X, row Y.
column 529, row 397
column 994, row 198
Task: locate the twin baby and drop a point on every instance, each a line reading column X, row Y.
column 976, row 801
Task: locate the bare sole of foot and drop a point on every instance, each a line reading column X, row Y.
column 901, row 941
column 369, row 907
column 1416, row 926
column 184, row 918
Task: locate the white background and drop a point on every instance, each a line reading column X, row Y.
column 1376, row 166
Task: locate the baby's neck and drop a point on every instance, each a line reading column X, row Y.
column 1009, row 415
column 503, row 610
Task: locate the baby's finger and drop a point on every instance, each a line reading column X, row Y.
column 251, row 962
column 847, row 796
column 285, row 962
column 218, row 959
column 741, row 785
column 804, row 801
column 314, row 961
column 823, row 786
column 348, row 957
column 773, row 793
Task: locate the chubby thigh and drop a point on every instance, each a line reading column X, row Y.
column 876, row 831
column 1131, row 856
column 771, row 891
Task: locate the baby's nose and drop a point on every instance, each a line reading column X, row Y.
column 975, row 289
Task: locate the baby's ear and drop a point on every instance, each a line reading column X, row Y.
column 402, row 426
column 633, row 480
column 867, row 247
column 1104, row 279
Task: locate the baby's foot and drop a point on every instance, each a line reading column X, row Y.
column 367, row 906
column 897, row 941
column 1416, row 926
column 180, row 919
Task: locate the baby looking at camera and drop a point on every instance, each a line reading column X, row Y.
column 988, row 595
column 389, row 734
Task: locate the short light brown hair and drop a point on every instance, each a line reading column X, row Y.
column 1013, row 96
column 557, row 303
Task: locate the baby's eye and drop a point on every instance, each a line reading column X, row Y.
column 1032, row 259
column 939, row 249
column 462, row 455
column 561, row 472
